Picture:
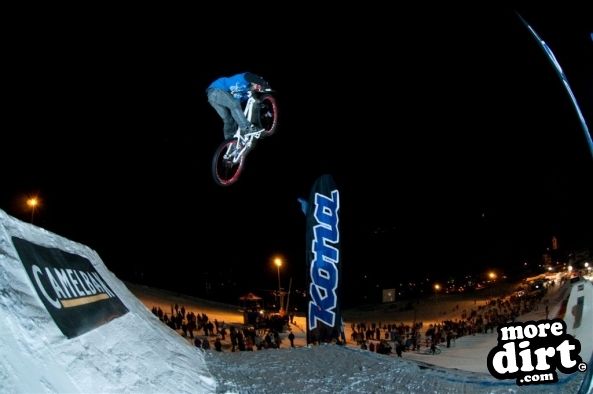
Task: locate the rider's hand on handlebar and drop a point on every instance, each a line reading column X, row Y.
column 259, row 88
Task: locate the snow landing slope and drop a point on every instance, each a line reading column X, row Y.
column 68, row 325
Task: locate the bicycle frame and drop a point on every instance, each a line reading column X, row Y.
column 244, row 142
column 228, row 161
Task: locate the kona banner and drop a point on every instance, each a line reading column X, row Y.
column 73, row 292
column 324, row 318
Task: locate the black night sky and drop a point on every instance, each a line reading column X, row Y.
column 453, row 142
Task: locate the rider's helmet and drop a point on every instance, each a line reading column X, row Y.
column 257, row 83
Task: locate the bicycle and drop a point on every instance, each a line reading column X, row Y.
column 428, row 350
column 229, row 158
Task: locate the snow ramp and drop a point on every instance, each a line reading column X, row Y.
column 68, row 325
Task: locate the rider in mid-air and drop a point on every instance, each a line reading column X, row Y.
column 226, row 94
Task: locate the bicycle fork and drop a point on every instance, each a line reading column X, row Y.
column 240, row 148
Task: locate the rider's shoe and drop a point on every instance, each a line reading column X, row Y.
column 251, row 129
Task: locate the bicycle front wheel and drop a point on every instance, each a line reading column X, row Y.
column 268, row 114
column 226, row 167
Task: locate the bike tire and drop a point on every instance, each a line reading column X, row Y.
column 224, row 172
column 268, row 114
column 429, row 351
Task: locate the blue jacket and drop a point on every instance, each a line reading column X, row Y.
column 236, row 85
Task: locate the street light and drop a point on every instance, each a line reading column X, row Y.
column 492, row 276
column 32, row 203
column 278, row 262
column 437, row 287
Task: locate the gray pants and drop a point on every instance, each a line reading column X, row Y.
column 229, row 109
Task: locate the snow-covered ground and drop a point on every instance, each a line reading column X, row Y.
column 345, row 369
column 135, row 352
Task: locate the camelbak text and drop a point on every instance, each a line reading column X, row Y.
column 70, row 287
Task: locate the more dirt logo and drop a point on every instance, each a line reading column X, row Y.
column 531, row 352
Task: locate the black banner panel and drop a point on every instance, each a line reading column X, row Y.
column 73, row 292
column 324, row 318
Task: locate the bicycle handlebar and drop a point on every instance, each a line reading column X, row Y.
column 263, row 90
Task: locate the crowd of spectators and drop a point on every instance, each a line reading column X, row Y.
column 204, row 334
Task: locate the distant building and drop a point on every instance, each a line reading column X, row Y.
column 554, row 243
column 388, row 295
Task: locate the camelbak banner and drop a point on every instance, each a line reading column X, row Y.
column 73, row 292
column 324, row 318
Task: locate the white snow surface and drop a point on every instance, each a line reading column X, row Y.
column 134, row 353
column 137, row 353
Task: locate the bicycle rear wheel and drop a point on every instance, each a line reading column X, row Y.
column 226, row 168
column 268, row 114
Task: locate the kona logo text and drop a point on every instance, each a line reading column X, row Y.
column 324, row 270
